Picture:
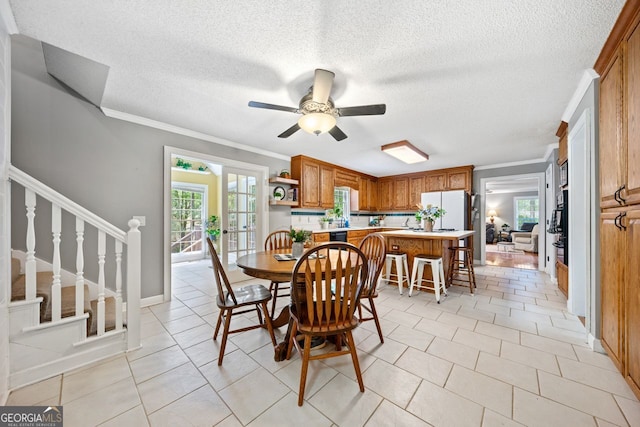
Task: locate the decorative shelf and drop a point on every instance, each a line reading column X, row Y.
column 280, row 180
column 283, row 203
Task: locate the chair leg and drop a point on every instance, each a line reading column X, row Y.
column 215, row 334
column 354, row 356
column 274, row 291
column 225, row 335
column 267, row 320
column 292, row 338
column 375, row 319
column 435, row 273
column 444, row 282
column 414, row 271
column 305, row 366
column 400, row 275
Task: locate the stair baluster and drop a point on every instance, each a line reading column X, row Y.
column 56, row 293
column 102, row 249
column 30, row 263
column 79, row 267
column 118, row 285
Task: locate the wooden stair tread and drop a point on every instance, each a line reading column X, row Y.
column 109, row 315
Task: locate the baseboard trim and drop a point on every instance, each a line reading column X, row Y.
column 99, row 351
column 157, row 299
column 595, row 344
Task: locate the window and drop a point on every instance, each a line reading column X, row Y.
column 341, row 200
column 526, row 209
column 188, row 208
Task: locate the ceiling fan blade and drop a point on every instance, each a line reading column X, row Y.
column 362, row 110
column 255, row 104
column 337, row 133
column 287, row 133
column 322, row 83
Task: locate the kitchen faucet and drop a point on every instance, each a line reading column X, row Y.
column 406, row 222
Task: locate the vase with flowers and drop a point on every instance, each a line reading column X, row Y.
column 298, row 237
column 428, row 215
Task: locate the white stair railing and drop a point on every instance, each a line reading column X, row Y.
column 130, row 239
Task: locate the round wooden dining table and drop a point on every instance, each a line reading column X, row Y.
column 264, row 265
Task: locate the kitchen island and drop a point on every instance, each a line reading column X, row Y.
column 429, row 243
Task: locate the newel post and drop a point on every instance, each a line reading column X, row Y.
column 134, row 274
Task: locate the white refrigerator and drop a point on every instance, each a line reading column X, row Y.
column 455, row 205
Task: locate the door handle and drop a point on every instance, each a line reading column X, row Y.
column 615, row 196
column 622, row 226
column 621, row 201
column 224, row 231
column 616, row 223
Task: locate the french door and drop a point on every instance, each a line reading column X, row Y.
column 188, row 211
column 241, row 228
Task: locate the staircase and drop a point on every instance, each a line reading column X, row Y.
column 68, row 296
column 61, row 317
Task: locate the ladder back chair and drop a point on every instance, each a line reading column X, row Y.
column 374, row 249
column 326, row 283
column 278, row 240
column 237, row 301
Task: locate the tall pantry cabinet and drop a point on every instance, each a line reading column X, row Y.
column 619, row 168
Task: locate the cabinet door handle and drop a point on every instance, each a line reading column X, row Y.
column 622, row 226
column 615, row 196
column 615, row 222
column 621, row 201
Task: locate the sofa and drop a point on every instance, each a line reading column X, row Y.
column 527, row 238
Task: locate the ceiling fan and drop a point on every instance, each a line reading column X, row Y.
column 319, row 113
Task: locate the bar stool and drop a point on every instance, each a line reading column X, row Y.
column 437, row 272
column 461, row 264
column 401, row 277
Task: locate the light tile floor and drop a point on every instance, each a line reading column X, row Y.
column 511, row 355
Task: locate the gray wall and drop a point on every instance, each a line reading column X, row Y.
column 112, row 167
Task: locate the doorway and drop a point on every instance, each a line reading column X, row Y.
column 512, row 202
column 203, row 186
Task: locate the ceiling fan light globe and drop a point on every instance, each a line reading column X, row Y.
column 317, row 123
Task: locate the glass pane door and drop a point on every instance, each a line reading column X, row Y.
column 240, row 220
column 187, row 212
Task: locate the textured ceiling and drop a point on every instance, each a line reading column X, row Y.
column 468, row 82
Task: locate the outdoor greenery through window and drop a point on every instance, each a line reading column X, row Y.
column 526, row 210
column 186, row 219
column 341, row 200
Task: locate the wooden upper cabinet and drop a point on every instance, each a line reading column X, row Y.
column 373, row 194
column 344, row 178
column 436, row 182
column 458, row 180
column 561, row 133
column 327, row 180
column 385, row 193
column 610, row 145
column 416, row 188
column 316, row 182
column 400, row 190
column 632, row 96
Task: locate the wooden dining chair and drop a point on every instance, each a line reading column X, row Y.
column 278, row 240
column 326, row 283
column 237, row 301
column 374, row 248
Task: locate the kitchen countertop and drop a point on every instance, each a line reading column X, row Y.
column 329, row 230
column 442, row 235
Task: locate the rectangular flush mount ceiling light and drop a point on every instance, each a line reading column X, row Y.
column 403, row 150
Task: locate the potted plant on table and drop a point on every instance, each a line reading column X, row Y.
column 428, row 215
column 298, row 237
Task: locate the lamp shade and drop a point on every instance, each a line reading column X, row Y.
column 492, row 212
column 317, row 123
